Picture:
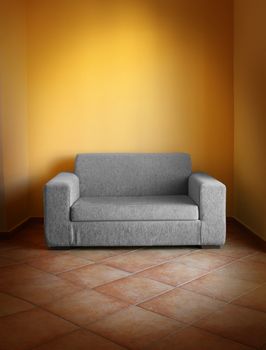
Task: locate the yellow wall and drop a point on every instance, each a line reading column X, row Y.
column 13, row 115
column 250, row 114
column 136, row 76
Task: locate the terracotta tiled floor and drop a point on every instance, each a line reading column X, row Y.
column 132, row 298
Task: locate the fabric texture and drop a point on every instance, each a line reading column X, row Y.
column 136, row 233
column 59, row 194
column 142, row 174
column 134, row 208
column 210, row 195
column 134, row 200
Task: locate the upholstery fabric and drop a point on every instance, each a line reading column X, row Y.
column 59, row 194
column 210, row 195
column 136, row 233
column 125, row 174
column 134, row 208
column 142, row 200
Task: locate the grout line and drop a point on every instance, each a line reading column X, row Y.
column 247, row 292
column 165, row 292
column 247, row 307
column 34, row 307
column 193, row 324
column 42, row 307
column 103, row 248
column 151, row 266
column 103, row 336
column 132, row 275
column 176, row 286
column 79, row 327
column 90, row 262
column 147, row 248
column 207, row 331
column 58, row 273
column 225, row 301
column 83, row 327
column 82, row 287
column 149, row 346
column 238, row 259
column 222, row 336
column 51, row 340
column 10, row 293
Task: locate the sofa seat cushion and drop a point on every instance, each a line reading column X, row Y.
column 134, row 208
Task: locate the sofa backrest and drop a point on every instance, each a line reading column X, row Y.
column 133, row 174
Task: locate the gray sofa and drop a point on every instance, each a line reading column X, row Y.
column 134, row 200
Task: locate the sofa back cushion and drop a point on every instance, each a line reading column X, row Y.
column 133, row 174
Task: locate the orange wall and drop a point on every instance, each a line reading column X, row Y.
column 14, row 162
column 250, row 114
column 136, row 76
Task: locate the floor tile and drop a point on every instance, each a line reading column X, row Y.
column 204, row 261
column 257, row 257
column 172, row 273
column 96, row 254
column 163, row 254
column 255, row 299
column 85, row 306
column 80, row 340
column 10, row 305
column 246, row 270
column 235, row 249
column 68, row 293
column 25, row 330
column 16, row 274
column 5, row 261
column 182, row 305
column 143, row 258
column 134, row 289
column 191, row 338
column 237, row 323
column 24, row 253
column 43, row 290
column 134, row 327
column 57, row 264
column 220, row 287
column 7, row 244
column 94, row 275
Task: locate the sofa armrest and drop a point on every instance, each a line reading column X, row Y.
column 210, row 195
column 59, row 194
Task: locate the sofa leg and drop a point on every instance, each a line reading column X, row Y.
column 211, row 246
